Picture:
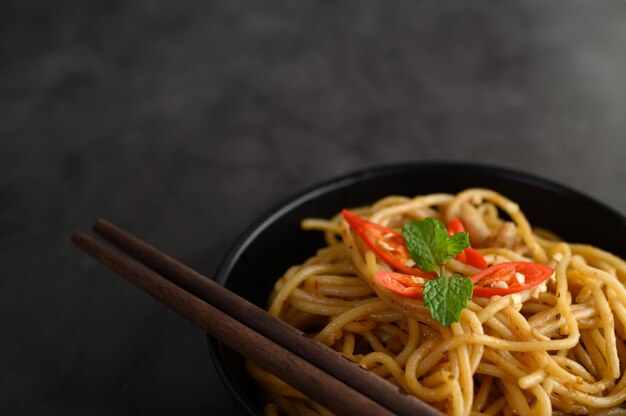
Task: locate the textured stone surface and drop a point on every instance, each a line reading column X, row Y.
column 183, row 121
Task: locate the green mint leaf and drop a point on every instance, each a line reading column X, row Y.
column 423, row 242
column 447, row 296
column 456, row 244
column 429, row 245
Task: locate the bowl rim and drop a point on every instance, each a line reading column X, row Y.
column 269, row 216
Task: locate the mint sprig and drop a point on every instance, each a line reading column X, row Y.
column 446, row 297
column 431, row 248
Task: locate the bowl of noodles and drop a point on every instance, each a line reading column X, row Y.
column 554, row 346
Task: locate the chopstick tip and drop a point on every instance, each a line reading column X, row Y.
column 101, row 224
column 78, row 237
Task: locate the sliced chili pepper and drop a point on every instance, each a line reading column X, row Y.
column 474, row 258
column 402, row 284
column 468, row 256
column 455, row 226
column 387, row 244
column 517, row 275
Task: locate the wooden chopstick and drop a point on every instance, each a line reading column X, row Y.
column 292, row 339
column 305, row 377
column 320, row 356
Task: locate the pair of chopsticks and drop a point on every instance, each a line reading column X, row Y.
column 312, row 368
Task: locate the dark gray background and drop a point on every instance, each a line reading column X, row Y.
column 182, row 121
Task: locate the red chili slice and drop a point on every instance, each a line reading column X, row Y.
column 468, row 256
column 455, row 226
column 474, row 258
column 532, row 273
column 387, row 244
column 402, row 284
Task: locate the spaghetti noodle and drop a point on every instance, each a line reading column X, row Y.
column 556, row 348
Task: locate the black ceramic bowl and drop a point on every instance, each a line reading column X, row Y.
column 276, row 241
